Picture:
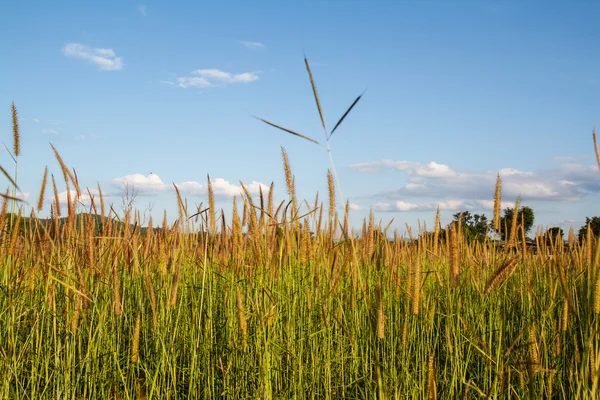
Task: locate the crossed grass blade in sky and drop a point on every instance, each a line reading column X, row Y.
column 314, row 88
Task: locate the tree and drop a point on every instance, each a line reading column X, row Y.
column 553, row 235
column 594, row 224
column 525, row 213
column 474, row 226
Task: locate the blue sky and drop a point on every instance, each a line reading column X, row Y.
column 456, row 93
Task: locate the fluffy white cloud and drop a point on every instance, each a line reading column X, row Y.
column 37, row 121
column 434, row 170
column 104, row 59
column 204, row 78
column 253, row 45
column 221, row 188
column 143, row 185
column 568, row 182
column 49, row 132
column 353, row 206
column 152, row 185
column 84, row 199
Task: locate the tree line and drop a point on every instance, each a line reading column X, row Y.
column 478, row 227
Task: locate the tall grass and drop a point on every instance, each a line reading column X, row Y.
column 280, row 305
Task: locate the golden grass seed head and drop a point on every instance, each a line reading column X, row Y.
column 135, row 347
column 431, row 387
column 331, row 191
column 515, row 220
column 380, row 317
column 497, row 201
column 16, row 135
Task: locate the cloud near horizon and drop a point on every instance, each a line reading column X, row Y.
column 152, row 185
column 104, row 59
column 205, row 78
column 568, row 182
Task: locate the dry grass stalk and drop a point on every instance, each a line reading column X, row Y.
column 242, row 318
column 503, row 272
column 135, row 347
column 497, row 201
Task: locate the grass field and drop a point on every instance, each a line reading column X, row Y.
column 275, row 304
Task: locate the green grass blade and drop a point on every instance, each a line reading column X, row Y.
column 9, row 178
column 346, row 113
column 288, row 130
column 314, row 88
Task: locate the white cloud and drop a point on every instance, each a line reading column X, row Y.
column 253, row 45
column 22, row 195
column 434, row 170
column 142, row 10
column 143, row 185
column 49, row 132
column 104, row 59
column 568, row 182
column 489, row 204
column 450, row 205
column 203, row 78
column 221, row 188
column 37, row 121
column 79, row 137
column 354, row 206
column 153, row 185
column 84, row 199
